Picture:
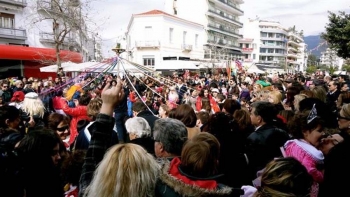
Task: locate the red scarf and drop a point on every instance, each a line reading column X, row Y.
column 174, row 171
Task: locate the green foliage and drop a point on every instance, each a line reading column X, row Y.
column 338, row 33
column 346, row 67
column 332, row 69
column 311, row 69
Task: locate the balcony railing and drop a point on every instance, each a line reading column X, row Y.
column 223, row 43
column 232, row 5
column 148, row 44
column 22, row 3
column 186, row 47
column 221, row 14
column 17, row 34
column 49, row 38
column 222, row 28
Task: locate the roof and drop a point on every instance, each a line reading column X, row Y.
column 159, row 12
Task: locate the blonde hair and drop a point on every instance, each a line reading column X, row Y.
column 94, row 106
column 126, row 170
column 297, row 99
column 285, row 177
column 33, row 107
column 345, row 111
column 276, row 96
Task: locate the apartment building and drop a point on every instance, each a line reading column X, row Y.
column 330, row 58
column 163, row 41
column 221, row 21
column 272, row 44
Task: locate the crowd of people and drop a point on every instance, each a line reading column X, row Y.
column 249, row 135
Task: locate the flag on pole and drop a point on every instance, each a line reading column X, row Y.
column 238, row 64
column 228, row 70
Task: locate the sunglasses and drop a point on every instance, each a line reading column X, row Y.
column 342, row 117
column 62, row 129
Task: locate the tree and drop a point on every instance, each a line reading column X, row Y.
column 337, row 33
column 65, row 24
column 312, row 59
column 346, row 67
column 311, row 69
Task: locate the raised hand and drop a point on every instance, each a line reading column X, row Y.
column 111, row 97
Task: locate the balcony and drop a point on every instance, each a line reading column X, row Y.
column 272, row 46
column 20, row 3
column 272, row 38
column 221, row 15
column 186, row 47
column 272, row 54
column 247, row 50
column 47, row 37
column 148, row 44
column 229, row 6
column 16, row 34
column 273, row 30
column 293, row 42
column 224, row 44
column 70, row 9
column 223, row 30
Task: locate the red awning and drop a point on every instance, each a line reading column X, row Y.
column 13, row 52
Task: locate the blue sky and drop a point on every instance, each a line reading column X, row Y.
column 311, row 16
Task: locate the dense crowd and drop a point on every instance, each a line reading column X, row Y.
column 278, row 135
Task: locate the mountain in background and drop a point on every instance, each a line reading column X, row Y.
column 312, row 42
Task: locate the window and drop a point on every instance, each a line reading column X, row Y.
column 246, row 45
column 254, row 56
column 196, row 40
column 171, row 32
column 148, row 61
column 184, row 37
column 7, row 20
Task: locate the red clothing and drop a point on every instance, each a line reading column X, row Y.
column 132, row 97
column 56, row 102
column 174, row 171
column 214, row 106
column 77, row 113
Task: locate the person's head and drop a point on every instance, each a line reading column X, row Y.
column 186, row 115
column 169, row 136
column 344, row 87
column 333, row 86
column 204, row 92
column 344, row 117
column 257, row 87
column 19, row 84
column 320, row 93
column 285, row 177
column 275, row 97
column 200, row 155
column 33, row 105
column 93, row 108
column 163, row 110
column 39, row 148
column 126, row 170
column 138, row 107
column 60, row 124
column 72, row 167
column 302, row 127
column 297, row 99
column 84, row 99
column 17, row 96
column 230, row 106
column 242, row 117
column 9, row 118
column 262, row 113
column 202, row 118
column 137, row 127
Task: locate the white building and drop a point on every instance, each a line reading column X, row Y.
column 268, row 42
column 154, row 38
column 221, row 20
column 330, row 58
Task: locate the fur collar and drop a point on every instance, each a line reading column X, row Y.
column 189, row 190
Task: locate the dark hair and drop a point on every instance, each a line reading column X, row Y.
column 266, row 110
column 186, row 115
column 55, row 119
column 299, row 124
column 9, row 113
column 72, row 167
column 84, row 99
column 231, row 106
column 139, row 106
